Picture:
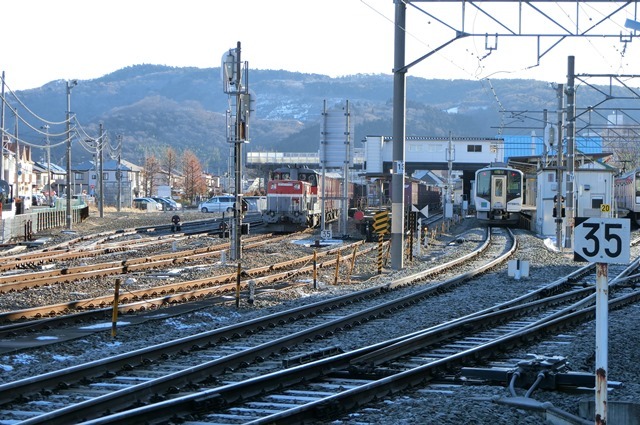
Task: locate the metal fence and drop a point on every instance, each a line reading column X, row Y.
column 24, row 227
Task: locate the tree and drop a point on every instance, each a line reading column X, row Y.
column 194, row 183
column 149, row 174
column 170, row 163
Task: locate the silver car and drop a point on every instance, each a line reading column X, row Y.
column 147, row 204
column 218, row 204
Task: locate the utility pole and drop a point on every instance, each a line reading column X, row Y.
column 2, row 132
column 448, row 204
column 233, row 84
column 18, row 173
column 46, row 129
column 119, row 172
column 101, row 169
column 399, row 108
column 559, row 167
column 70, row 85
column 571, row 164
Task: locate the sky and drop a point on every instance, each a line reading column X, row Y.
column 46, row 40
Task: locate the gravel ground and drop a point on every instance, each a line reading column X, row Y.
column 462, row 405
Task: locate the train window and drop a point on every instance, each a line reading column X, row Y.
column 483, row 184
column 513, row 186
column 638, row 184
column 312, row 179
column 499, row 190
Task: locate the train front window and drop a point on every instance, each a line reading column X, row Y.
column 513, row 186
column 483, row 184
column 311, row 178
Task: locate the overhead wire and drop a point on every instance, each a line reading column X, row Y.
column 21, row 103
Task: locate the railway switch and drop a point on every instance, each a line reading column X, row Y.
column 545, row 372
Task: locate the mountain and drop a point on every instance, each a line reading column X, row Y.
column 154, row 107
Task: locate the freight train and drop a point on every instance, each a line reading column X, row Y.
column 498, row 194
column 626, row 189
column 295, row 195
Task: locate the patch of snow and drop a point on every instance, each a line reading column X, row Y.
column 178, row 324
column 61, row 358
column 25, row 359
column 46, row 338
column 105, row 325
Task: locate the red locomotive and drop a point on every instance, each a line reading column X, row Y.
column 294, row 198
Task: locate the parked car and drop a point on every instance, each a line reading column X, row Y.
column 147, row 204
column 38, row 200
column 168, row 204
column 217, row 204
column 26, row 202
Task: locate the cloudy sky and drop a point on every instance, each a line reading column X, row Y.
column 45, row 40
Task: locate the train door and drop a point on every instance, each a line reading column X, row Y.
column 499, row 191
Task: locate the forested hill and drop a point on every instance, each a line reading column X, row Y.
column 154, row 107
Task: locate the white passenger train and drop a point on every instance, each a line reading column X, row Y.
column 498, row 194
column 626, row 190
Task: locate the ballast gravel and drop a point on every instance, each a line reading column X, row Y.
column 472, row 404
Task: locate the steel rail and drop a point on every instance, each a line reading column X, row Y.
column 212, row 399
column 172, row 293
column 34, row 279
column 249, row 355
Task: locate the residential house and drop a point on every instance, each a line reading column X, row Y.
column 86, row 180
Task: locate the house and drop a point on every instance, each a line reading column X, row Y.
column 50, row 178
column 118, row 180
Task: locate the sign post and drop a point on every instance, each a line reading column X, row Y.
column 603, row 241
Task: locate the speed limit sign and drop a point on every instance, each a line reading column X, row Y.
column 602, row 240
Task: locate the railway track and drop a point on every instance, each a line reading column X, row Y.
column 323, row 389
column 217, row 358
column 213, row 391
column 179, row 292
column 102, row 243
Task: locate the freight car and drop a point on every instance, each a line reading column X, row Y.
column 626, row 189
column 498, row 194
column 295, row 195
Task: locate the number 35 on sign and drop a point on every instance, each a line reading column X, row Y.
column 602, row 240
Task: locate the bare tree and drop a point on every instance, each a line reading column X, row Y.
column 194, row 183
column 170, row 164
column 150, row 173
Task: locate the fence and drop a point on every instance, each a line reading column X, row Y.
column 25, row 226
